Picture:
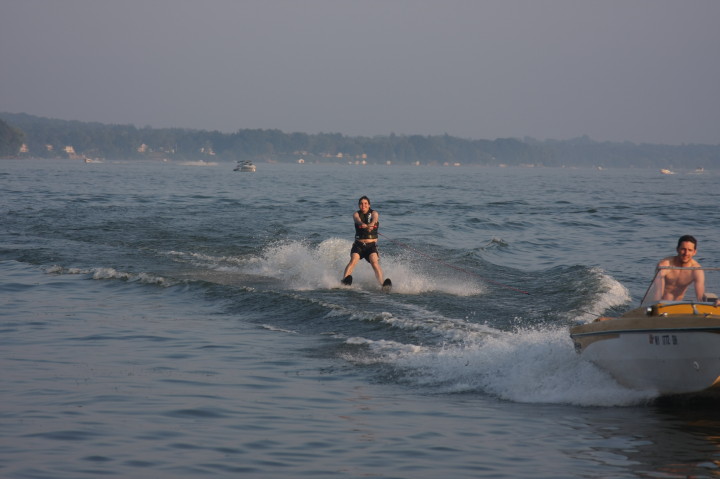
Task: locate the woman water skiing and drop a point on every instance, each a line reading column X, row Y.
column 367, row 222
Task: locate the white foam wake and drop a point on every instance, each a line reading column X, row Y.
column 112, row 273
column 306, row 267
column 531, row 366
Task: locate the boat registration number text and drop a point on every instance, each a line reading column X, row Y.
column 663, row 340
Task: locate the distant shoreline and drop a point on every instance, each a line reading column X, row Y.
column 92, row 141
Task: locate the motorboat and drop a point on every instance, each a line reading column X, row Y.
column 670, row 347
column 246, row 165
column 665, row 171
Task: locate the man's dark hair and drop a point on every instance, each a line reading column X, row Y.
column 685, row 238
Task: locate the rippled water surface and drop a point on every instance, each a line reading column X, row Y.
column 166, row 320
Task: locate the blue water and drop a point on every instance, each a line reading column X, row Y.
column 168, row 320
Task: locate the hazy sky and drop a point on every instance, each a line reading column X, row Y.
column 636, row 70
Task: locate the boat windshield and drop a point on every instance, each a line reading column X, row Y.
column 673, row 283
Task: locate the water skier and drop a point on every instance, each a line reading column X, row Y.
column 367, row 222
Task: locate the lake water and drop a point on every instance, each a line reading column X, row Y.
column 169, row 321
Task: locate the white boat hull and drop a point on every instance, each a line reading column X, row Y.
column 246, row 166
column 674, row 354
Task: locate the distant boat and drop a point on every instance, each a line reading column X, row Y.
column 246, row 165
column 665, row 171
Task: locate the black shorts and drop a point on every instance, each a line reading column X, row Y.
column 365, row 250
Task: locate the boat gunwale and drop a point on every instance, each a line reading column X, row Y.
column 699, row 329
column 638, row 321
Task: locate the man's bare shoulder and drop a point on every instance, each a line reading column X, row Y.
column 666, row 261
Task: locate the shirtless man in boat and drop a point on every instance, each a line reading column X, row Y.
column 675, row 282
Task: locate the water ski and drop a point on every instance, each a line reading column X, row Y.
column 387, row 285
column 347, row 280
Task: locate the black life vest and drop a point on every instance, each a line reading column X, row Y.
column 364, row 233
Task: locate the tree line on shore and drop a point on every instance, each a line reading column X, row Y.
column 23, row 135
